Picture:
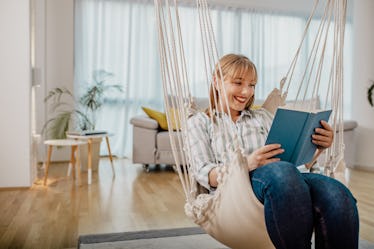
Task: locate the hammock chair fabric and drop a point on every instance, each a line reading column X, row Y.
column 233, row 215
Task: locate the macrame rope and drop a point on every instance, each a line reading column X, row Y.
column 177, row 92
column 208, row 53
column 336, row 10
column 211, row 56
column 169, row 68
column 312, row 57
column 294, row 61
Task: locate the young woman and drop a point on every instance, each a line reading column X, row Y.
column 295, row 204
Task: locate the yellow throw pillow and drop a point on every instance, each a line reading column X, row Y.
column 160, row 117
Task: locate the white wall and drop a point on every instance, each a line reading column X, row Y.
column 39, row 61
column 59, row 44
column 60, row 52
column 15, row 85
column 363, row 20
column 55, row 58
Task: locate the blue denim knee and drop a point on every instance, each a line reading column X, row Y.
column 296, row 203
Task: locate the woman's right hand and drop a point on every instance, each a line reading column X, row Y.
column 264, row 155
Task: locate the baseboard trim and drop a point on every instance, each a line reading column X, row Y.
column 13, row 188
column 362, row 167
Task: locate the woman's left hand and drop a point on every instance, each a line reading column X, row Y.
column 324, row 136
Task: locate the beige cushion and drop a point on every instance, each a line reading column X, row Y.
column 275, row 99
column 163, row 141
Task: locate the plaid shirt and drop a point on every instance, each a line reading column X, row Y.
column 207, row 143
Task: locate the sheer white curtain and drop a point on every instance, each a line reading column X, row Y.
column 119, row 36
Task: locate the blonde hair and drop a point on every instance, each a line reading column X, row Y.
column 232, row 65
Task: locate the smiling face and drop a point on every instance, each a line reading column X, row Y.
column 239, row 90
column 239, row 79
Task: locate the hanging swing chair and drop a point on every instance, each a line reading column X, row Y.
column 233, row 215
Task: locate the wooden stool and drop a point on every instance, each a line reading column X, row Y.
column 74, row 159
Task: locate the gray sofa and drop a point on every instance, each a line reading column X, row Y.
column 151, row 145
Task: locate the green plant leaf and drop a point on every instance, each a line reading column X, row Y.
column 100, row 75
column 92, row 99
column 113, row 87
column 84, row 122
column 56, row 94
column 82, row 114
column 370, row 94
column 61, row 106
column 57, row 126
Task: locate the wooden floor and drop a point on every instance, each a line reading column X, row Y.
column 54, row 216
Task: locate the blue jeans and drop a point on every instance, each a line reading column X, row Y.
column 296, row 203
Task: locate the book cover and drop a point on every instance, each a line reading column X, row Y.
column 86, row 132
column 293, row 129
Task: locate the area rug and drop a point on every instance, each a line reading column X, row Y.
column 179, row 238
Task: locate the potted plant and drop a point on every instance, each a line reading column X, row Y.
column 78, row 114
column 370, row 93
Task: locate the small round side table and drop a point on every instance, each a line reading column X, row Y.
column 74, row 159
column 88, row 139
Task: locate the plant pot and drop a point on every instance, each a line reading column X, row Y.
column 95, row 155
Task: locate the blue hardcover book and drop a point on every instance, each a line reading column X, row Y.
column 293, row 129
